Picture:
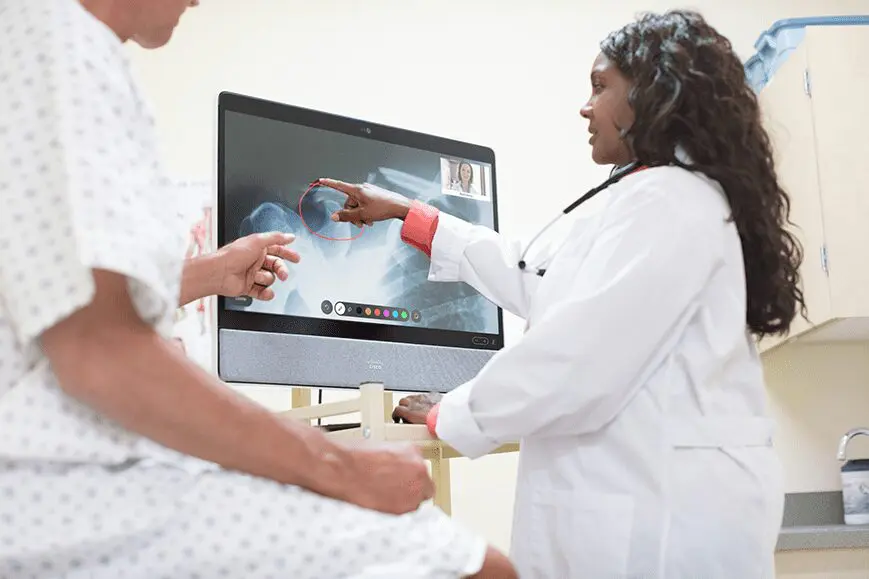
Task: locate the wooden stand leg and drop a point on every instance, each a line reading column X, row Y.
column 371, row 410
column 388, row 405
column 301, row 398
column 440, row 473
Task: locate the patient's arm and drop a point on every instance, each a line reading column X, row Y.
column 200, row 278
column 107, row 357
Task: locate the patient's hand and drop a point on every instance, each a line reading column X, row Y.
column 391, row 478
column 250, row 265
column 414, row 409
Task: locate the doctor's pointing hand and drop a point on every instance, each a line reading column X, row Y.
column 368, row 203
column 636, row 390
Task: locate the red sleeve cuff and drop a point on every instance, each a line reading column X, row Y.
column 419, row 226
column 431, row 420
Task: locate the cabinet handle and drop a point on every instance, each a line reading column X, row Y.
column 825, row 265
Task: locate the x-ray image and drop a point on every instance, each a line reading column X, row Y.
column 269, row 166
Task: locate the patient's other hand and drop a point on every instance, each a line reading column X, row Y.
column 391, row 478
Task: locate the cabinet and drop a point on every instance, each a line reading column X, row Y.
column 816, row 110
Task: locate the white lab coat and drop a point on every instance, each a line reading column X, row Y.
column 636, row 391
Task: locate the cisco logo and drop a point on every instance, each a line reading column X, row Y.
column 375, row 365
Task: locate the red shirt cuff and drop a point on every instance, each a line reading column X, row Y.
column 431, row 420
column 419, row 226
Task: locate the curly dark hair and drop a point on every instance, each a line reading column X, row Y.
column 688, row 89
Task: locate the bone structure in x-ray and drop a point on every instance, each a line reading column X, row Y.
column 376, row 268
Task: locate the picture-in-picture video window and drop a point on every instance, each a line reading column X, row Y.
column 375, row 278
column 465, row 178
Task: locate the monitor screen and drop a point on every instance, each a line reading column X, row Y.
column 362, row 284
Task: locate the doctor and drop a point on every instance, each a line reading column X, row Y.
column 636, row 391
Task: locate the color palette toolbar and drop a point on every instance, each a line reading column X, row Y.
column 353, row 310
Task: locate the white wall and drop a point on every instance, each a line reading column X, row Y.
column 387, row 61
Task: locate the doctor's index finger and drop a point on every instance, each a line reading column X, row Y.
column 353, row 191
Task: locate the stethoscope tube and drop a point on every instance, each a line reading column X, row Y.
column 616, row 175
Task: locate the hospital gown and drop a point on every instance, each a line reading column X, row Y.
column 80, row 497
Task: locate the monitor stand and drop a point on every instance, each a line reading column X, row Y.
column 374, row 406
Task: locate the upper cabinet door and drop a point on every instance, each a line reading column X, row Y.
column 786, row 108
column 838, row 73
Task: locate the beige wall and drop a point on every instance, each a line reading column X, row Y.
column 823, row 565
column 388, row 61
column 817, row 393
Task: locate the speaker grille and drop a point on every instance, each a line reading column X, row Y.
column 286, row 359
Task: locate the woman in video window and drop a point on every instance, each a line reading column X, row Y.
column 465, row 179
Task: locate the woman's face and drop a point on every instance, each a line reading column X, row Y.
column 608, row 114
column 465, row 173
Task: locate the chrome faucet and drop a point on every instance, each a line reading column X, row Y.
column 843, row 444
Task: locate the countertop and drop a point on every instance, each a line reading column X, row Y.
column 815, row 521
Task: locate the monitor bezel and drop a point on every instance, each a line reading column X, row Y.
column 299, row 325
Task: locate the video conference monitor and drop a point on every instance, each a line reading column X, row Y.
column 358, row 310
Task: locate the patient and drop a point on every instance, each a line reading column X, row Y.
column 119, row 457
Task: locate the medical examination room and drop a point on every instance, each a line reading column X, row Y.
column 434, row 289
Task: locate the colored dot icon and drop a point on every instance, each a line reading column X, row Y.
column 352, row 310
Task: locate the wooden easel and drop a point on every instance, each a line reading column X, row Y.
column 374, row 406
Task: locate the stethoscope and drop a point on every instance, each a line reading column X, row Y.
column 617, row 174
